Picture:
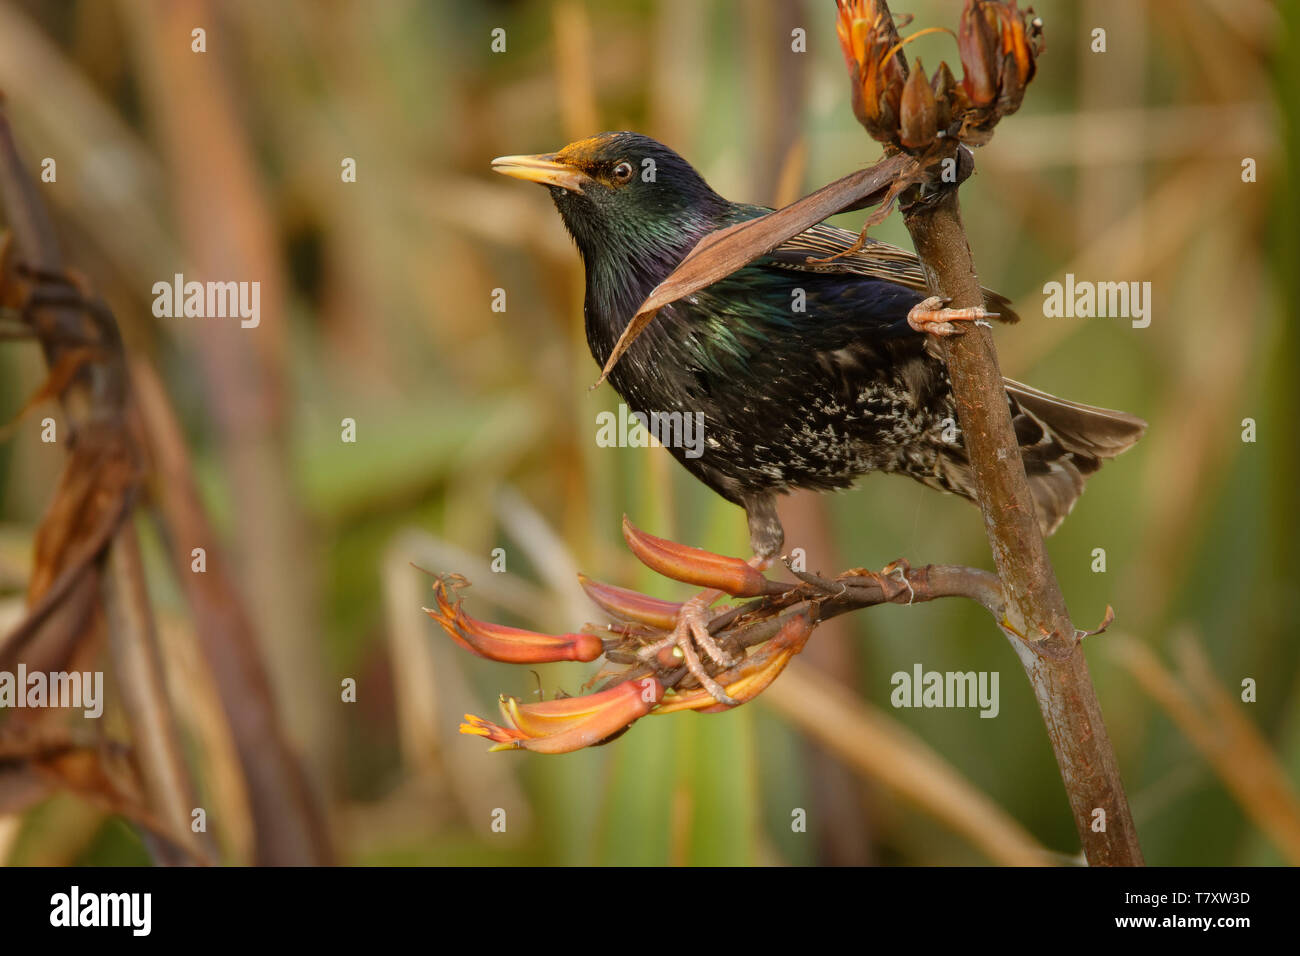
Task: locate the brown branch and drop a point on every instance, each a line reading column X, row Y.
column 858, row 589
column 35, row 759
column 1049, row 649
column 818, row 599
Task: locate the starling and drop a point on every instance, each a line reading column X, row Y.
column 808, row 374
column 811, row 366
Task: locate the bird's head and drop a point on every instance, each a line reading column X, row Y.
column 623, row 193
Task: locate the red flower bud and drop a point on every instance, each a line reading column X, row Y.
column 511, row 645
column 627, row 605
column 681, row 562
column 977, row 38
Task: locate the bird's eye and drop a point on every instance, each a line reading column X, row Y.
column 623, row 172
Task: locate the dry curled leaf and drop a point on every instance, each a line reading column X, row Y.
column 721, row 253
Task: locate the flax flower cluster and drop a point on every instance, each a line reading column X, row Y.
column 654, row 679
column 998, row 44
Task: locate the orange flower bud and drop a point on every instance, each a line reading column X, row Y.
column 627, row 605
column 694, row 565
column 977, row 38
column 876, row 73
column 1021, row 42
column 510, row 645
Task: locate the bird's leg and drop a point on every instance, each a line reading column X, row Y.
column 932, row 316
column 766, row 536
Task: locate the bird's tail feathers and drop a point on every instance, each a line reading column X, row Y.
column 1062, row 444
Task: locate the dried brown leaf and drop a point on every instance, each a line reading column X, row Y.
column 37, row 760
column 721, row 253
column 66, row 368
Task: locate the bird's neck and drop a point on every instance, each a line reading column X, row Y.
column 623, row 268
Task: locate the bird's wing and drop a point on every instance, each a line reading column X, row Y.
column 876, row 259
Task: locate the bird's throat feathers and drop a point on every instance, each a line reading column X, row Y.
column 624, row 259
column 624, row 272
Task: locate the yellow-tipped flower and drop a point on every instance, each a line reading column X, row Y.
column 568, row 723
column 752, row 676
column 877, row 72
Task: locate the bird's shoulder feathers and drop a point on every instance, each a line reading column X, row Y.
column 810, row 250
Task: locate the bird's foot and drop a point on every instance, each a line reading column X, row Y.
column 692, row 630
column 689, row 633
column 934, row 318
column 690, row 636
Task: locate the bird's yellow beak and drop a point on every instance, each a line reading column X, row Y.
column 542, row 169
